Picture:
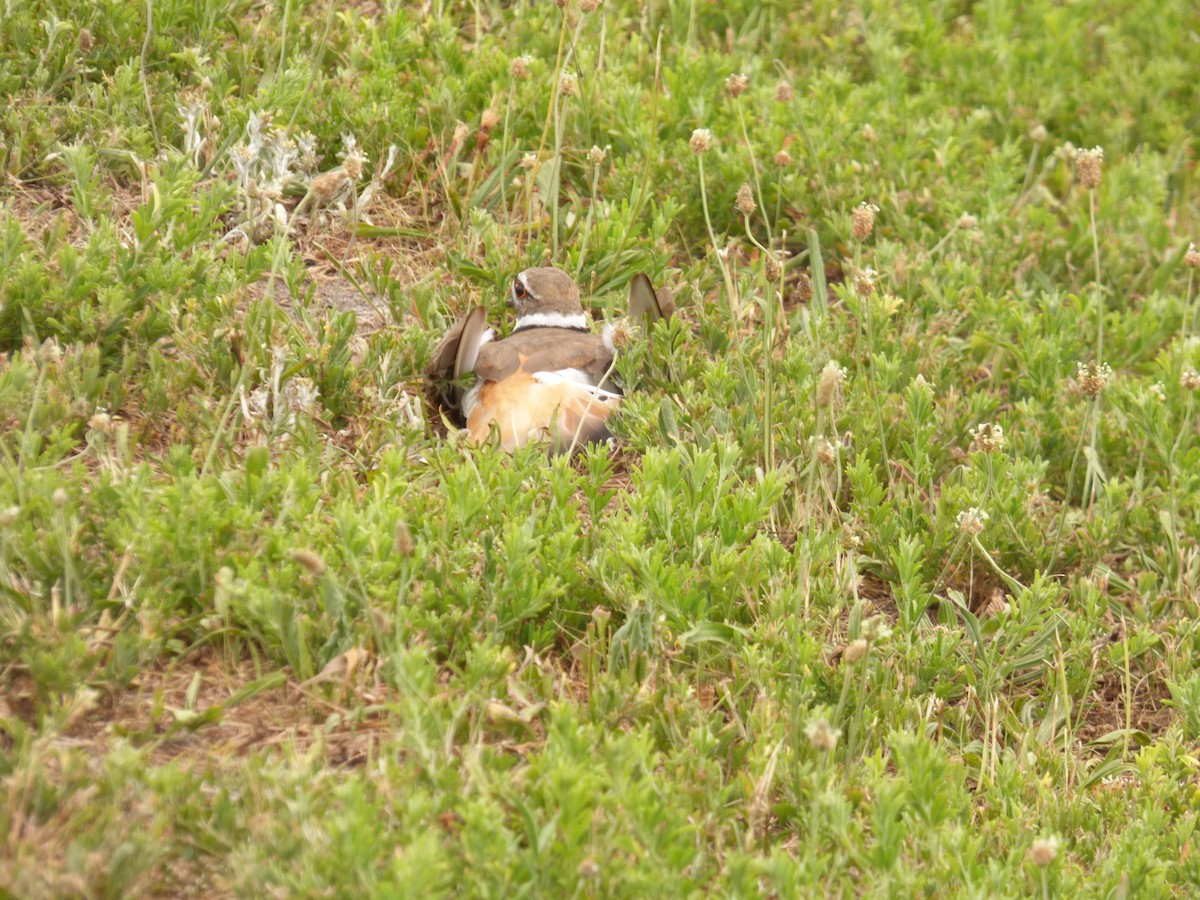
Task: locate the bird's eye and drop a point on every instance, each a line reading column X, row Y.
column 519, row 289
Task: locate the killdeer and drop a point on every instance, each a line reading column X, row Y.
column 549, row 380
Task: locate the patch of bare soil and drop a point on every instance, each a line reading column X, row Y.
column 1104, row 711
column 226, row 718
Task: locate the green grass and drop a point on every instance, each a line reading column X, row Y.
column 813, row 629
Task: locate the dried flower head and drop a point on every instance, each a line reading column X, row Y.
column 59, row 498
column 590, row 5
column 825, row 451
column 875, row 629
column 868, row 133
column 1043, row 851
column 596, row 156
column 519, row 67
column 783, row 159
column 9, row 516
column 1087, row 167
column 101, row 421
column 784, row 92
column 619, row 333
column 745, row 200
column 404, row 543
column 804, row 288
column 971, row 521
column 589, row 868
column 568, row 85
column 489, row 119
column 1191, row 259
column 1037, row 133
column 327, row 186
column 1189, row 380
column 988, row 437
column 86, row 41
column 967, row 222
column 353, row 159
column 828, row 384
column 529, row 160
column 772, row 267
column 855, row 651
column 701, row 141
column 862, row 221
column 309, row 560
column 737, row 84
column 864, row 282
column 822, row 735
column 1093, row 377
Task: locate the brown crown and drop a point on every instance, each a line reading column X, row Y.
column 547, row 290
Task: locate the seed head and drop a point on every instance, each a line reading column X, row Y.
column 1191, row 259
column 86, row 41
column 967, row 222
column 1037, row 133
column 590, row 5
column 489, row 119
column 404, row 543
column 589, row 868
column 783, row 159
column 1093, row 377
column 59, row 498
column 1087, row 167
column 784, row 92
column 971, row 521
column 825, row 451
column 519, row 67
column 1189, row 380
column 100, row 421
column 988, row 437
column 804, row 288
column 862, row 221
column 568, row 85
column 621, row 333
column 868, row 133
column 529, row 160
column 328, row 185
column 876, row 629
column 701, row 141
column 828, row 384
column 9, row 516
column 772, row 268
column 864, row 283
column 745, row 200
column 309, row 560
column 596, row 156
column 737, row 84
column 1043, row 851
column 855, row 651
column 822, row 735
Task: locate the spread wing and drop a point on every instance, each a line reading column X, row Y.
column 454, row 356
column 647, row 305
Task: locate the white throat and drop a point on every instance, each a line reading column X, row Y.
column 552, row 320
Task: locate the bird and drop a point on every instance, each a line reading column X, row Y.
column 549, row 380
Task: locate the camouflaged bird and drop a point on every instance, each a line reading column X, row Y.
column 550, row 380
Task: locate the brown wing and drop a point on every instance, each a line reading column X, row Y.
column 447, row 363
column 544, row 350
column 646, row 305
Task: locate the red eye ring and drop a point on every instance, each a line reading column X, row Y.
column 519, row 289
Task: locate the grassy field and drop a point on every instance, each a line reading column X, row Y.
column 890, row 587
